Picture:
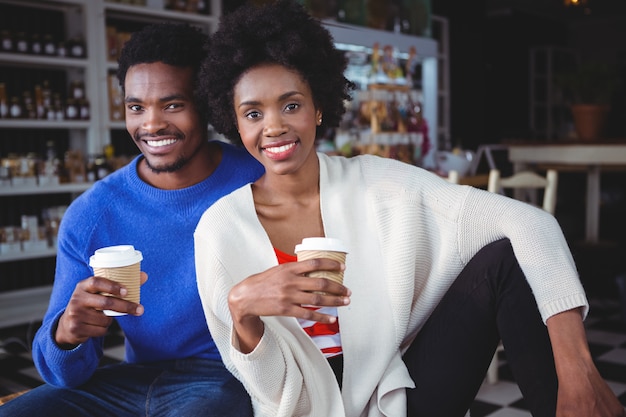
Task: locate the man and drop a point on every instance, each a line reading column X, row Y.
column 172, row 367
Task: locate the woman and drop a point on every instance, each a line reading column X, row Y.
column 432, row 279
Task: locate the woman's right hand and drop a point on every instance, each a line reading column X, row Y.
column 282, row 291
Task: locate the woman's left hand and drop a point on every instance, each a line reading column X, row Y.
column 582, row 390
column 587, row 395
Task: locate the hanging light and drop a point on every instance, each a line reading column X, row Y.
column 575, row 2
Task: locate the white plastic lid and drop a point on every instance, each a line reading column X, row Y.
column 321, row 243
column 115, row 256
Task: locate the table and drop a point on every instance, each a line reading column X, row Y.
column 591, row 156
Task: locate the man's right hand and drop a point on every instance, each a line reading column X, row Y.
column 84, row 318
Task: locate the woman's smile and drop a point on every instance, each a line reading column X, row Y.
column 279, row 151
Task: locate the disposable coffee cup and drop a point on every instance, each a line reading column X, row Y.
column 323, row 247
column 121, row 263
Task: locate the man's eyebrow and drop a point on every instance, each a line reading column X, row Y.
column 172, row 97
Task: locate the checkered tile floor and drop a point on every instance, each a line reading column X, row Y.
column 606, row 331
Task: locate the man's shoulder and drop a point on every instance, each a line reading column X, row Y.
column 233, row 151
column 101, row 191
column 238, row 159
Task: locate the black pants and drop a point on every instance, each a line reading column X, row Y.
column 490, row 300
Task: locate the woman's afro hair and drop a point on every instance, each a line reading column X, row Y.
column 176, row 44
column 284, row 33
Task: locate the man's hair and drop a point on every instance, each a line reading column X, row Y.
column 176, row 44
column 284, row 33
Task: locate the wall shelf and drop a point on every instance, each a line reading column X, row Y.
column 45, row 189
column 43, row 124
column 23, row 256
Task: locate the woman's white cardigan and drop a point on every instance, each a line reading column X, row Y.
column 409, row 235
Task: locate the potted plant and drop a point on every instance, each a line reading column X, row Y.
column 589, row 90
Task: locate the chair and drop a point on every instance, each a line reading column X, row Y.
column 453, row 176
column 525, row 184
column 478, row 181
column 526, row 181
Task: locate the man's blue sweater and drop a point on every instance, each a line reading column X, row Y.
column 122, row 209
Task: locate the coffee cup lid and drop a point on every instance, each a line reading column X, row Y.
column 115, row 256
column 321, row 243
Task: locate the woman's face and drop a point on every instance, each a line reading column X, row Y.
column 276, row 117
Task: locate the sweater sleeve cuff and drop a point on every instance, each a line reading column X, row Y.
column 263, row 367
column 63, row 367
column 563, row 304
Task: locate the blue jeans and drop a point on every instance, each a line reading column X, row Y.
column 177, row 388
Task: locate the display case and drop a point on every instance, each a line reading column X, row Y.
column 395, row 73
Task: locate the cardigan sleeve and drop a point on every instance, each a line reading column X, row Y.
column 475, row 218
column 275, row 371
column 263, row 370
column 538, row 243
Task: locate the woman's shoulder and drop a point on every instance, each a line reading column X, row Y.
column 379, row 170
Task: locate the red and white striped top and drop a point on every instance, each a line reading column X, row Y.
column 325, row 336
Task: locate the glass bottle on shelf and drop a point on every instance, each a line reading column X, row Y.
column 6, row 41
column 46, row 95
column 77, row 47
column 36, row 46
column 202, row 7
column 57, row 105
column 30, row 112
column 49, row 47
column 50, row 113
column 50, row 171
column 84, row 109
column 4, row 104
column 71, row 109
column 414, row 120
column 62, row 49
column 77, row 89
column 40, row 110
column 21, row 43
column 91, row 172
column 101, row 167
column 15, row 108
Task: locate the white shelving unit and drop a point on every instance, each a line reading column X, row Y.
column 89, row 19
column 427, row 55
column 72, row 188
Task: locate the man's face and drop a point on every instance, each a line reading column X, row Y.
column 161, row 116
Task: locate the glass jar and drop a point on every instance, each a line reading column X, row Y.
column 6, row 41
column 22, row 44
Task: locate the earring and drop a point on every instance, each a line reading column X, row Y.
column 319, row 120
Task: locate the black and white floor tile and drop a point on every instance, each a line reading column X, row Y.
column 606, row 332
